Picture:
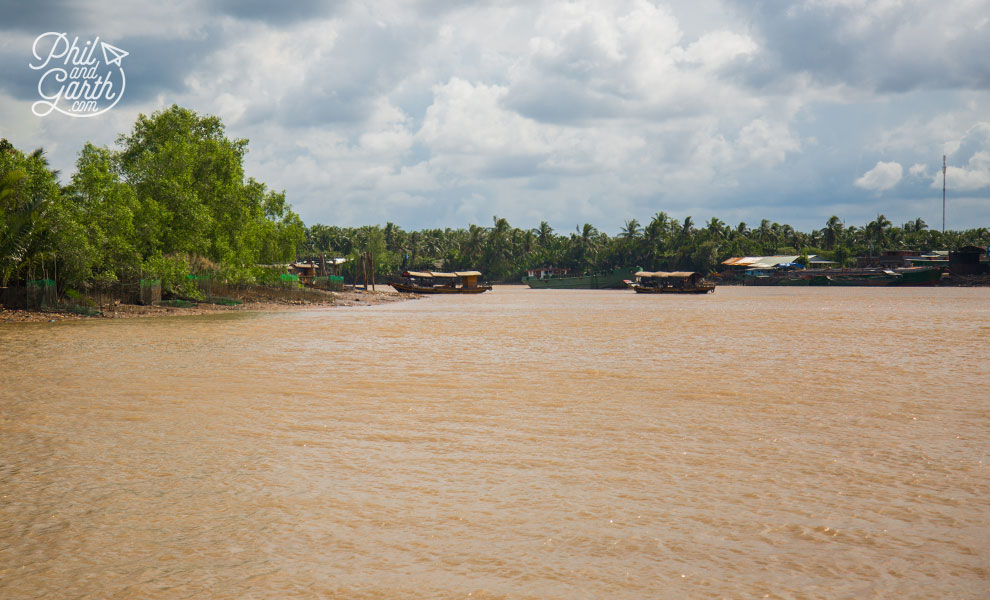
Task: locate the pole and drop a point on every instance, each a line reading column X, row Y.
column 943, row 194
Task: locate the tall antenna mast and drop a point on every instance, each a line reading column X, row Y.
column 943, row 194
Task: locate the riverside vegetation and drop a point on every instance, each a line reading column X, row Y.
column 173, row 199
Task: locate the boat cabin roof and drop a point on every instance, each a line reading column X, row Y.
column 667, row 274
column 436, row 274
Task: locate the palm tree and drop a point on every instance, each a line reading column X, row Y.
column 877, row 231
column 716, row 229
column 688, row 228
column 499, row 248
column 767, row 236
column 631, row 230
column 588, row 245
column 544, row 234
column 832, row 232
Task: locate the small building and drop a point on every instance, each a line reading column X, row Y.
column 888, row 259
column 820, row 262
column 305, row 271
column 937, row 258
column 544, row 272
column 736, row 267
column 896, row 258
column 966, row 261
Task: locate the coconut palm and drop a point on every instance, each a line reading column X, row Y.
column 832, row 232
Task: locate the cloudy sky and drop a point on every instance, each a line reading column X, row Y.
column 438, row 113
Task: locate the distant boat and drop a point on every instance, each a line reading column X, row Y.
column 616, row 278
column 433, row 282
column 907, row 276
column 676, row 282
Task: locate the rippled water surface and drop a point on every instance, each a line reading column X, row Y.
column 757, row 442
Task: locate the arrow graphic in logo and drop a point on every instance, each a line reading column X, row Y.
column 113, row 51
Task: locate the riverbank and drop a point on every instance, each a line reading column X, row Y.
column 252, row 299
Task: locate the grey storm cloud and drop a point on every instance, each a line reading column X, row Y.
column 39, row 17
column 275, row 13
column 904, row 47
column 365, row 62
column 160, row 66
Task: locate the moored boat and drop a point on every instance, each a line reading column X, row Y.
column 920, row 276
column 433, row 282
column 865, row 277
column 676, row 282
column 547, row 279
column 911, row 277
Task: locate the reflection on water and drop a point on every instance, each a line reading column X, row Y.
column 776, row 443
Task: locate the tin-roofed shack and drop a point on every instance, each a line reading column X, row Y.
column 967, row 261
column 305, row 271
column 735, row 268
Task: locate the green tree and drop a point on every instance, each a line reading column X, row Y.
column 193, row 198
column 106, row 207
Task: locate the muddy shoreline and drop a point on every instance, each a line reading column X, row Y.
column 259, row 299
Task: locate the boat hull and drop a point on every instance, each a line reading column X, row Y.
column 911, row 277
column 616, row 279
column 920, row 276
column 418, row 289
column 701, row 289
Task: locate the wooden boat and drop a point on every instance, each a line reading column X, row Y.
column 616, row 278
column 866, row 277
column 911, row 277
column 433, row 282
column 677, row 282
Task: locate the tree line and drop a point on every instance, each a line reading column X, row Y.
column 504, row 253
column 173, row 199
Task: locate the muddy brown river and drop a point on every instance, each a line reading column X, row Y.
column 752, row 443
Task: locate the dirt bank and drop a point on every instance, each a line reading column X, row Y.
column 253, row 299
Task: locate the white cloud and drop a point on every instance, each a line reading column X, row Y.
column 718, row 48
column 974, row 176
column 883, row 176
column 766, row 142
column 439, row 113
column 973, row 148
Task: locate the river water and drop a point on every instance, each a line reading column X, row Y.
column 752, row 443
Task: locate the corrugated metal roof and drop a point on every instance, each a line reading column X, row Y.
column 442, row 275
column 767, row 262
column 759, row 262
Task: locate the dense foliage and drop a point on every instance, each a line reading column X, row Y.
column 171, row 200
column 504, row 252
